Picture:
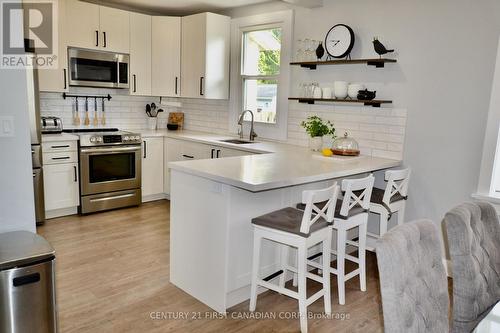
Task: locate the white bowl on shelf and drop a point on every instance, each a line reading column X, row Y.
column 353, row 90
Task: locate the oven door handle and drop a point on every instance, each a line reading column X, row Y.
column 109, row 150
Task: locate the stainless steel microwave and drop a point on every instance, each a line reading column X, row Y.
column 88, row 68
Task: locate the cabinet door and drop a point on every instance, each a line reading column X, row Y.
column 152, row 166
column 114, row 29
column 61, row 186
column 166, row 56
column 172, row 153
column 228, row 152
column 83, row 24
column 216, row 77
column 140, row 54
column 193, row 55
column 56, row 80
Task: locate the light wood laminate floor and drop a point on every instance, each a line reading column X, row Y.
column 112, row 275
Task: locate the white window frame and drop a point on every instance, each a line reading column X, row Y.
column 283, row 20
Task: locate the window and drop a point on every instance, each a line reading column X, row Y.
column 261, row 52
column 260, row 75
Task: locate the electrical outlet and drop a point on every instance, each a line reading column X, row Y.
column 6, row 126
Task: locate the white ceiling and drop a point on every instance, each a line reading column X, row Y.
column 177, row 7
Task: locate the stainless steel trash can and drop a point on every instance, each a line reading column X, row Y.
column 27, row 285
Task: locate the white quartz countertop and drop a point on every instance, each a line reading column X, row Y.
column 275, row 165
column 59, row 137
column 257, row 173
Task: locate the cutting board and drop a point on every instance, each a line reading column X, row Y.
column 176, row 118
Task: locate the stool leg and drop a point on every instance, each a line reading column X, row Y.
column 327, row 246
column 302, row 269
column 341, row 243
column 401, row 215
column 384, row 217
column 284, row 263
column 362, row 255
column 294, row 280
column 255, row 270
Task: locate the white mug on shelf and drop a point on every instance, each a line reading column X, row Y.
column 340, row 88
column 327, row 92
column 317, row 92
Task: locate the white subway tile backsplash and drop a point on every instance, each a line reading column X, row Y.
column 379, row 131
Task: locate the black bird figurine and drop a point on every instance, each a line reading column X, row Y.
column 380, row 48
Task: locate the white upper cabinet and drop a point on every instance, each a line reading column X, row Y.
column 97, row 27
column 166, row 56
column 83, row 24
column 115, row 29
column 205, row 56
column 140, row 54
column 56, row 80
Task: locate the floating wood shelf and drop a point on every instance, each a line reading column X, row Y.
column 374, row 102
column 377, row 62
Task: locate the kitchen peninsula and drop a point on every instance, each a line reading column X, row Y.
column 214, row 200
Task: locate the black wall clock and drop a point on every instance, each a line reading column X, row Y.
column 339, row 41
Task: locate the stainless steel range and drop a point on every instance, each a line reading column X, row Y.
column 110, row 169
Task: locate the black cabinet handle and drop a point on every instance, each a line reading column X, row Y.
column 201, row 85
column 27, row 279
column 218, row 153
column 61, row 158
column 65, row 83
column 176, row 79
column 188, row 156
column 135, row 83
column 212, row 153
column 144, row 149
column 63, row 146
column 105, row 43
column 97, row 38
column 74, row 169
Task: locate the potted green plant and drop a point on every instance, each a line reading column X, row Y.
column 317, row 128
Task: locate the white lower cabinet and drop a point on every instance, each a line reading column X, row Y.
column 152, row 169
column 61, row 186
column 183, row 150
column 60, row 178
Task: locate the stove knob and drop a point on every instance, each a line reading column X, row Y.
column 126, row 138
column 99, row 139
column 93, row 139
column 137, row 137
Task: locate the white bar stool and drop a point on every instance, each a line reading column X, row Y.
column 300, row 229
column 350, row 212
column 389, row 201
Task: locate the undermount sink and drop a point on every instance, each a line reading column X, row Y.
column 237, row 141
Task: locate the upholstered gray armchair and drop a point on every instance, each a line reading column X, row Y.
column 473, row 233
column 413, row 281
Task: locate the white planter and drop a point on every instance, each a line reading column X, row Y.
column 315, row 143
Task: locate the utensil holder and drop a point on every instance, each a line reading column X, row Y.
column 152, row 123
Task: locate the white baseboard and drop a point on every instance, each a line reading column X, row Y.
column 154, row 197
column 51, row 214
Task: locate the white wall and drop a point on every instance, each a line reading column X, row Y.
column 17, row 210
column 446, row 55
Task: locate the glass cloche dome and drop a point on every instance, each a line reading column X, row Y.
column 345, row 146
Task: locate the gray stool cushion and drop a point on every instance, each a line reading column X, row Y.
column 473, row 233
column 378, row 195
column 352, row 212
column 288, row 220
column 413, row 281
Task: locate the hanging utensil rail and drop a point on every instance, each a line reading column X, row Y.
column 108, row 97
